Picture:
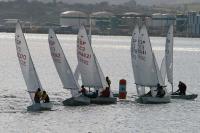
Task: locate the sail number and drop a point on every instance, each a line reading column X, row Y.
column 82, row 55
column 21, row 56
column 53, row 53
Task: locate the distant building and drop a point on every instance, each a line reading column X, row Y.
column 181, row 24
column 10, row 24
column 101, row 20
column 193, row 24
column 73, row 19
column 160, row 23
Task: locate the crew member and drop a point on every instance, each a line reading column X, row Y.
column 37, row 96
column 108, row 81
column 45, row 97
column 181, row 89
column 105, row 93
column 160, row 91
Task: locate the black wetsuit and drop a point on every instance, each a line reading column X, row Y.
column 161, row 92
column 37, row 97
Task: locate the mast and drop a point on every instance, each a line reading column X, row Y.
column 172, row 60
column 90, row 30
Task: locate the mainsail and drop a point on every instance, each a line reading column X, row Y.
column 61, row 64
column 26, row 63
column 134, row 57
column 91, row 73
column 147, row 73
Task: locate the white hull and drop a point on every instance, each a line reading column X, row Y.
column 104, row 100
column 153, row 100
column 186, row 97
column 40, row 106
column 77, row 101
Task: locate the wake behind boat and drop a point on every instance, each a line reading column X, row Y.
column 28, row 70
column 65, row 73
column 146, row 71
column 90, row 70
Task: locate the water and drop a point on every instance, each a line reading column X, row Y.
column 113, row 53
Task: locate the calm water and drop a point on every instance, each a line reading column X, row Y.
column 113, row 54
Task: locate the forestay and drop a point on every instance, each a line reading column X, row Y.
column 61, row 64
column 91, row 73
column 26, row 63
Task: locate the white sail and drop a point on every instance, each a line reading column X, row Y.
column 147, row 73
column 163, row 69
column 61, row 64
column 26, row 63
column 76, row 73
column 134, row 54
column 140, row 90
column 88, row 65
column 159, row 76
column 169, row 54
column 103, row 80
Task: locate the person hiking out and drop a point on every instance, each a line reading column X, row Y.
column 181, row 89
column 160, row 91
column 45, row 97
column 37, row 96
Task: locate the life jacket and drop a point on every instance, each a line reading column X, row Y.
column 37, row 97
column 45, row 98
column 105, row 93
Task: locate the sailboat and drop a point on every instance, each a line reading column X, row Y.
column 145, row 68
column 65, row 73
column 28, row 70
column 168, row 64
column 89, row 68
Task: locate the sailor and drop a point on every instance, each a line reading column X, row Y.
column 105, row 93
column 108, row 81
column 45, row 97
column 160, row 91
column 182, row 89
column 83, row 90
column 37, row 96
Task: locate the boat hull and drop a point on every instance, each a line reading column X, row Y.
column 40, row 107
column 153, row 100
column 186, row 97
column 104, row 100
column 77, row 101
